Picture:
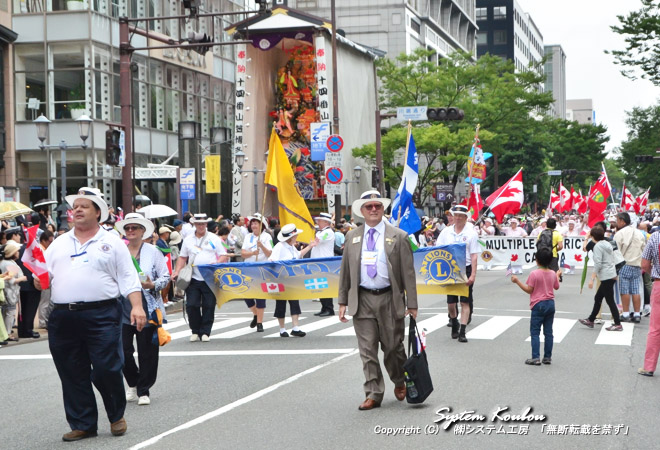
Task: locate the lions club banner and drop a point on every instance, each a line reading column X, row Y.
column 518, row 251
column 439, row 270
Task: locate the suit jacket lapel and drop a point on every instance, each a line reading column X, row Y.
column 357, row 258
column 388, row 242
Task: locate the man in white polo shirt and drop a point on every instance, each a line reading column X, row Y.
column 325, row 249
column 459, row 233
column 89, row 269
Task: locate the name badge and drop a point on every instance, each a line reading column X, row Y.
column 369, row 258
column 78, row 261
column 196, row 249
column 357, row 239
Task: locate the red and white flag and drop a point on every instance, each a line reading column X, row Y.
column 508, row 199
column 641, row 202
column 272, row 287
column 627, row 199
column 564, row 198
column 575, row 199
column 554, row 200
column 33, row 257
column 582, row 208
column 476, row 204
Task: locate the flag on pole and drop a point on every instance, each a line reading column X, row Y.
column 476, row 163
column 564, row 198
column 404, row 214
column 582, row 208
column 508, row 199
column 641, row 202
column 627, row 199
column 575, row 199
column 554, row 200
column 509, row 270
column 598, row 199
column 33, row 257
column 279, row 175
column 475, row 202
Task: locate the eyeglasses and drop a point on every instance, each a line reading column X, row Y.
column 132, row 227
column 374, row 206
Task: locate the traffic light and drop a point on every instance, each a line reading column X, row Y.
column 192, row 5
column 112, row 149
column 444, row 114
column 644, row 158
column 199, row 38
column 569, row 172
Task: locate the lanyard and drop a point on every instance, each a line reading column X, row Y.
column 83, row 248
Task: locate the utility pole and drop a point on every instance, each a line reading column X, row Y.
column 335, row 98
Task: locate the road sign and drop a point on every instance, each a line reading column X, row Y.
column 332, row 189
column 411, row 113
column 319, row 132
column 334, row 175
column 444, row 192
column 335, row 143
column 333, row 160
column 554, row 173
column 122, row 148
column 187, row 183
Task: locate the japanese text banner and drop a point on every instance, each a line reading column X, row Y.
column 438, row 270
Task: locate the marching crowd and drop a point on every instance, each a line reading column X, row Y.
column 112, row 275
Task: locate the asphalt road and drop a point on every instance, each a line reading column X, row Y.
column 252, row 391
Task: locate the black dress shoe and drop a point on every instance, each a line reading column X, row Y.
column 318, row 313
column 254, row 322
column 12, row 339
column 260, row 328
column 326, row 314
column 35, row 335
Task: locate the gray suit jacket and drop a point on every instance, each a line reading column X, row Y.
column 400, row 266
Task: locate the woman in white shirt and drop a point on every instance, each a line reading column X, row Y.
column 285, row 250
column 257, row 247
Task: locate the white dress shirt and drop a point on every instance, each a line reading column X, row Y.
column 382, row 279
column 467, row 236
column 208, row 252
column 99, row 269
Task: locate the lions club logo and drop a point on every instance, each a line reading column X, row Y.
column 439, row 267
column 231, row 280
column 486, row 256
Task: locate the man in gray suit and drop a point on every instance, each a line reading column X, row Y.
column 377, row 275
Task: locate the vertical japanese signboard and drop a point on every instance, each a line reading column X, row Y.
column 212, row 165
column 241, row 69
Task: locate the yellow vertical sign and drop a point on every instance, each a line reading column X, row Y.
column 212, row 165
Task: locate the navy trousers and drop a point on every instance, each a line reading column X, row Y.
column 87, row 348
column 200, row 307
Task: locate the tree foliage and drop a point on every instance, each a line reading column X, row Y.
column 641, row 30
column 643, row 137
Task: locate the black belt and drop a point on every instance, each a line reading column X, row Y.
column 81, row 306
column 376, row 291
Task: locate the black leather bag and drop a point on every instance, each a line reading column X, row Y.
column 418, row 379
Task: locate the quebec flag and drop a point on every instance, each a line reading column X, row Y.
column 403, row 201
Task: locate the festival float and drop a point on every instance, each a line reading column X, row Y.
column 283, row 80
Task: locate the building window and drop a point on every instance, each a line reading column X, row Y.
column 499, row 37
column 416, row 27
column 482, row 38
column 499, row 13
column 482, row 13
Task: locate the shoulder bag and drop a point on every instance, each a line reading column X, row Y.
column 185, row 274
column 416, row 369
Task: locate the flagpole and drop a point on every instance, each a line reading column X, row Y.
column 609, row 186
column 398, row 220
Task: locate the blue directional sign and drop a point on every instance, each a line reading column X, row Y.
column 319, row 133
column 187, row 184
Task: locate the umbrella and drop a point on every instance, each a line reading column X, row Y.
column 45, row 202
column 584, row 273
column 10, row 210
column 156, row 211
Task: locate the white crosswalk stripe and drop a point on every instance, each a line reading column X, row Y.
column 491, row 328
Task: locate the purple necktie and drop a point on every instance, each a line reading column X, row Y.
column 372, row 270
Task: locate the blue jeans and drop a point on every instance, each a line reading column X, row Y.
column 543, row 313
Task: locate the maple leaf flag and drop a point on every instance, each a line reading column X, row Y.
column 476, row 204
column 575, row 199
column 564, row 199
column 554, row 200
column 627, row 199
column 33, row 257
column 508, row 199
column 272, row 287
column 582, row 206
column 641, row 202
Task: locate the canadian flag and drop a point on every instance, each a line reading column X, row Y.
column 582, row 207
column 554, row 200
column 33, row 257
column 641, row 202
column 508, row 199
column 627, row 199
column 564, row 198
column 476, row 203
column 272, row 287
column 575, row 199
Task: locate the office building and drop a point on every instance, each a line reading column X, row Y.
column 581, row 110
column 555, row 79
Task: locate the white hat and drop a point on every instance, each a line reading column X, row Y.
column 324, row 216
column 288, row 231
column 200, row 218
column 488, row 219
column 163, row 230
column 611, row 218
column 259, row 217
column 512, row 221
column 366, row 197
column 95, row 196
column 175, row 237
column 11, row 248
column 543, row 220
column 571, row 222
column 137, row 219
column 459, row 209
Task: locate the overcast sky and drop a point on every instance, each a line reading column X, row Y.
column 582, row 28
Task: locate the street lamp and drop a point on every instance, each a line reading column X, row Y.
column 239, row 158
column 42, row 123
column 357, row 172
column 192, row 131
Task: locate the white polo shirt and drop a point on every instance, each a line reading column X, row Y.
column 326, row 246
column 206, row 250
column 284, row 252
column 250, row 244
column 467, row 236
column 99, row 269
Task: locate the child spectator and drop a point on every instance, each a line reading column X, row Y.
column 540, row 286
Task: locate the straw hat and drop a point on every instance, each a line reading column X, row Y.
column 94, row 195
column 136, row 219
column 288, row 231
column 366, row 197
column 11, row 248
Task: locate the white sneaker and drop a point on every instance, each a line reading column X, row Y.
column 131, row 394
column 144, row 400
column 205, row 338
column 194, row 338
column 647, row 310
column 598, row 321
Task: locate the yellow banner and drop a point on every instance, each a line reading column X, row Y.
column 212, row 165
